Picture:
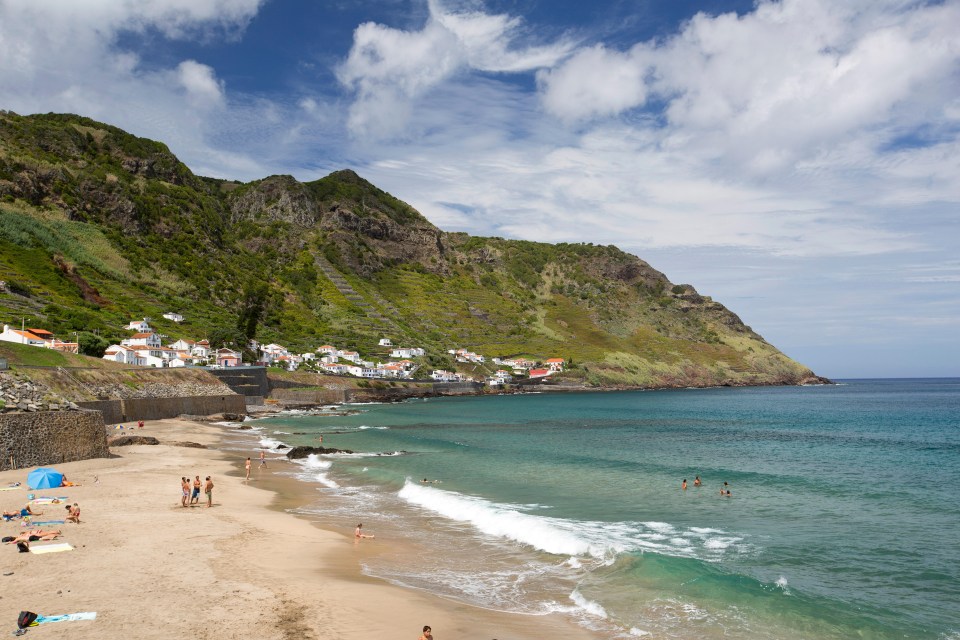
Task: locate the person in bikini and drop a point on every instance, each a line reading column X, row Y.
column 427, row 633
column 248, row 469
column 73, row 513
column 358, row 533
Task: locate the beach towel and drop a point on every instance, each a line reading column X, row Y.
column 51, row 548
column 48, row 499
column 46, row 522
column 68, row 617
column 9, row 488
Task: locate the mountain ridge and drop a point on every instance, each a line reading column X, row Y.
column 98, row 226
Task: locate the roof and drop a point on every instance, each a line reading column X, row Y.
column 554, row 360
column 40, row 332
column 141, row 335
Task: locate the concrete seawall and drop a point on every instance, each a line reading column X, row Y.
column 51, row 437
column 337, row 396
column 129, row 409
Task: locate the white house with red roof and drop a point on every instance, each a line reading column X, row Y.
column 21, row 336
column 201, row 349
column 539, row 373
column 122, row 354
column 144, row 339
column 554, row 364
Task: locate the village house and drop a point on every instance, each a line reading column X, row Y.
column 142, row 339
column 441, row 375
column 176, row 317
column 351, row 356
column 122, row 354
column 21, row 336
column 337, row 369
column 228, row 358
column 407, row 352
column 140, row 326
column 540, row 373
column 201, row 349
column 554, row 364
column 327, row 349
column 391, row 371
column 361, row 372
column 182, row 345
column 385, row 342
column 151, row 356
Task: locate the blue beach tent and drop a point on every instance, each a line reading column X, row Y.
column 44, row 478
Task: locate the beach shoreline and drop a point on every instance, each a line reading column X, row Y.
column 151, row 568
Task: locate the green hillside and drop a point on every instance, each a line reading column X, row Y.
column 98, row 227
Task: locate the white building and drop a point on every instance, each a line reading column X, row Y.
column 142, row 340
column 122, row 354
column 21, row 336
column 140, row 326
column 176, row 317
column 385, row 342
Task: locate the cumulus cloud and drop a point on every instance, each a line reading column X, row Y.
column 388, row 68
column 64, row 56
column 201, row 84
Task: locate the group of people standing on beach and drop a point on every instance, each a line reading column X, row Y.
column 724, row 490
column 191, row 497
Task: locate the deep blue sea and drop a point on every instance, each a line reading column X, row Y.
column 843, row 519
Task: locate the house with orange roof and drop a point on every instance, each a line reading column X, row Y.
column 143, row 339
column 539, row 373
column 10, row 334
column 554, row 364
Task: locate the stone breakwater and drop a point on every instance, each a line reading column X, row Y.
column 18, row 394
column 186, row 389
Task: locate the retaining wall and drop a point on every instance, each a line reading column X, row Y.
column 337, row 396
column 129, row 409
column 51, row 437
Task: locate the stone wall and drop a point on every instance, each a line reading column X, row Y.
column 132, row 409
column 388, row 394
column 51, row 437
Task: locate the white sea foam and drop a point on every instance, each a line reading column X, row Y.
column 364, row 427
column 269, row 443
column 589, row 606
column 315, row 469
column 577, row 539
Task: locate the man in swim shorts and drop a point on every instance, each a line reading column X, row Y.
column 208, row 489
column 195, row 497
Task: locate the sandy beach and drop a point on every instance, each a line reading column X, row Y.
column 150, row 568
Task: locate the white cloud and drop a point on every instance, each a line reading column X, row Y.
column 388, row 68
column 63, row 56
column 200, row 82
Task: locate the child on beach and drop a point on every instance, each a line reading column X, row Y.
column 73, row 513
column 427, row 633
column 185, row 490
column 359, row 533
column 248, row 469
column 263, row 459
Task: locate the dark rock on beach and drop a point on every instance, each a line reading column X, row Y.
column 192, row 445
column 123, row 441
column 302, row 452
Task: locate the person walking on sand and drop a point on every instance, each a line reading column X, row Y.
column 248, row 468
column 185, row 490
column 360, row 534
column 263, row 459
column 208, row 489
column 427, row 633
column 195, row 498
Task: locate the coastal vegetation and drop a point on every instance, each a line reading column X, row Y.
column 98, row 227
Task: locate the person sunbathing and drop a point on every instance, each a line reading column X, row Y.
column 33, row 535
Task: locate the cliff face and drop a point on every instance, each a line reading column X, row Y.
column 98, row 226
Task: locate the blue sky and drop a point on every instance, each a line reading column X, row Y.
column 798, row 161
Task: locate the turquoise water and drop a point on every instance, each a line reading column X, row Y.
column 844, row 518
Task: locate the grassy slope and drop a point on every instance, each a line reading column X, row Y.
column 108, row 227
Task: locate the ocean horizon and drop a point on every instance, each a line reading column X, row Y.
column 838, row 523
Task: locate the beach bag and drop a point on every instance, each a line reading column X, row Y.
column 26, row 619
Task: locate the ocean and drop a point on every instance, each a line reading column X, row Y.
column 843, row 520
